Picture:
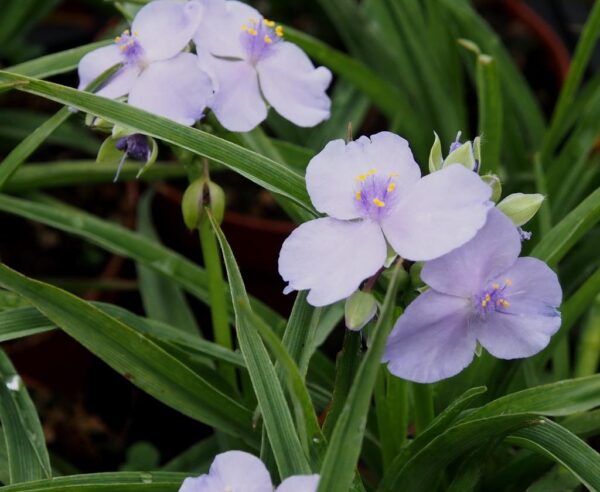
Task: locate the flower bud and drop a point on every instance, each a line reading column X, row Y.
column 495, row 184
column 521, row 207
column 199, row 195
column 359, row 310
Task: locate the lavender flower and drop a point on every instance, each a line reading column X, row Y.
column 237, row 471
column 372, row 190
column 250, row 60
column 482, row 293
column 157, row 76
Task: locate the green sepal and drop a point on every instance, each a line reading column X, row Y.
column 495, row 184
column 462, row 155
column 151, row 158
column 435, row 155
column 200, row 194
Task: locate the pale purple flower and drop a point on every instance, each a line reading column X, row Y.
column 237, row 471
column 254, row 65
column 155, row 73
column 481, row 292
column 372, row 191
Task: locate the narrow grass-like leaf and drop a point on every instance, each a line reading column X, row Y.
column 106, row 482
column 489, row 97
column 122, row 241
column 278, row 421
column 344, row 448
column 560, row 445
column 137, row 357
column 162, row 299
column 564, row 235
column 25, row 442
column 265, row 172
column 196, row 459
column 67, row 173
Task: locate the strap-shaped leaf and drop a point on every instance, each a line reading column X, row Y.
column 137, row 357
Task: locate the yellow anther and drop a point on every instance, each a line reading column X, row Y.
column 378, row 202
column 357, row 195
column 508, row 282
column 268, row 22
column 361, row 177
column 496, row 286
column 503, row 303
column 267, row 39
column 244, row 27
column 371, row 172
column 136, row 33
column 126, row 32
column 279, row 31
column 252, row 32
column 391, row 187
column 117, row 39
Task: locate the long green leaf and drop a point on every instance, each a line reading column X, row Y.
column 137, row 357
column 265, row 172
column 560, row 445
column 25, row 443
column 278, row 421
column 489, row 97
column 344, row 448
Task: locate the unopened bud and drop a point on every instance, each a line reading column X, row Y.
column 202, row 194
column 521, row 207
column 360, row 308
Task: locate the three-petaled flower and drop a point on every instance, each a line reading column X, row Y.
column 252, row 63
column 237, row 471
column 155, row 73
column 372, row 191
column 482, row 292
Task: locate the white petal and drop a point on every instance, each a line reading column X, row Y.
column 238, row 105
column 431, row 340
column 96, row 62
column 221, row 27
column 299, row 483
column 177, row 89
column 294, row 87
column 241, row 472
column 331, row 174
column 331, row 258
column 164, row 27
column 441, row 212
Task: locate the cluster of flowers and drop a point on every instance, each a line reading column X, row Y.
column 237, row 471
column 241, row 63
column 480, row 291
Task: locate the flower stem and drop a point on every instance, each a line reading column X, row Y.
column 423, row 400
column 217, row 292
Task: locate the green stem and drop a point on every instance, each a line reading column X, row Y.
column 217, row 295
column 423, row 402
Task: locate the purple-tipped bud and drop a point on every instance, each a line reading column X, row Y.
column 135, row 146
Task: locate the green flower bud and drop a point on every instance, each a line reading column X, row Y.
column 495, row 184
column 521, row 207
column 199, row 195
column 359, row 310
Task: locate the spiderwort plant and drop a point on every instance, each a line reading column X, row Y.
column 479, row 293
column 156, row 74
column 254, row 65
column 238, row 471
column 373, row 193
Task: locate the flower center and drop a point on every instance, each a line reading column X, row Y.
column 130, row 47
column 259, row 37
column 375, row 194
column 493, row 299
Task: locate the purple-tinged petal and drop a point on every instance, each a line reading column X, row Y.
column 333, row 176
column 203, row 483
column 331, row 258
column 238, row 104
column 96, row 62
column 238, row 471
column 293, row 86
column 468, row 269
column 120, row 83
column 299, row 483
column 164, row 27
column 441, row 212
column 177, row 89
column 221, row 28
column 431, row 340
column 524, row 324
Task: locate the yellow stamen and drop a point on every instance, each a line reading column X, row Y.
column 378, row 202
column 508, row 282
column 279, row 31
column 244, row 27
column 503, row 303
column 267, row 39
column 371, row 172
column 391, row 187
column 117, row 39
column 496, row 286
column 358, row 195
column 252, row 32
column 361, row 177
column 268, row 23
